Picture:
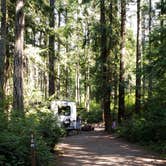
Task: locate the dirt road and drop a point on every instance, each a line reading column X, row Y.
column 99, row 149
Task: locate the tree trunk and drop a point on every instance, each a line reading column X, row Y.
column 18, row 58
column 51, row 50
column 77, row 83
column 115, row 48
column 138, row 62
column 58, row 54
column 58, row 80
column 2, row 51
column 150, row 73
column 66, row 81
column 121, row 109
column 162, row 13
column 162, row 20
column 8, row 72
column 87, row 79
column 143, row 53
column 66, row 67
column 105, row 69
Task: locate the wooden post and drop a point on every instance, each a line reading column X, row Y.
column 33, row 154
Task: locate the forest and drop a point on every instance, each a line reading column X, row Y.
column 108, row 56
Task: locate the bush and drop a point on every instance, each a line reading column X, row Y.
column 15, row 138
column 15, row 142
column 94, row 116
column 148, row 128
column 48, row 128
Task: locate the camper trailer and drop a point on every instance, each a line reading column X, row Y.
column 66, row 113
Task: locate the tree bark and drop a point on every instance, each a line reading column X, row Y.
column 143, row 53
column 115, row 49
column 162, row 13
column 105, row 69
column 18, row 58
column 51, row 50
column 2, row 51
column 77, row 83
column 121, row 109
column 150, row 73
column 138, row 61
column 58, row 54
column 87, row 79
column 66, row 67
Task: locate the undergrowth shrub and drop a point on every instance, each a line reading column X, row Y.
column 94, row 116
column 147, row 128
column 15, row 138
column 49, row 129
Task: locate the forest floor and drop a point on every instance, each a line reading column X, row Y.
column 96, row 148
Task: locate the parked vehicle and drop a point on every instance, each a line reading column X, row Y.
column 66, row 113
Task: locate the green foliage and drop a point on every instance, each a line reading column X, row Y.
column 129, row 101
column 15, row 138
column 94, row 115
column 148, row 129
column 15, row 142
column 48, row 128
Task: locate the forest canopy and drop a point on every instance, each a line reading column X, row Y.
column 107, row 56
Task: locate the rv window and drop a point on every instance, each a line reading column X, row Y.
column 64, row 110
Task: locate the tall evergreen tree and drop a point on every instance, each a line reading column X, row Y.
column 162, row 12
column 18, row 57
column 67, row 51
column 138, row 61
column 150, row 73
column 105, row 69
column 115, row 38
column 143, row 15
column 122, row 69
column 51, row 49
column 58, row 56
column 2, row 49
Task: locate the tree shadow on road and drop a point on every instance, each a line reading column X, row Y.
column 99, row 149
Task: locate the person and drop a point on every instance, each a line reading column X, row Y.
column 113, row 125
column 78, row 124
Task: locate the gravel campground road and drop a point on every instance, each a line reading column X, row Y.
column 96, row 148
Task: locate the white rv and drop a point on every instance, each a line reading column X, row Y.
column 66, row 113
